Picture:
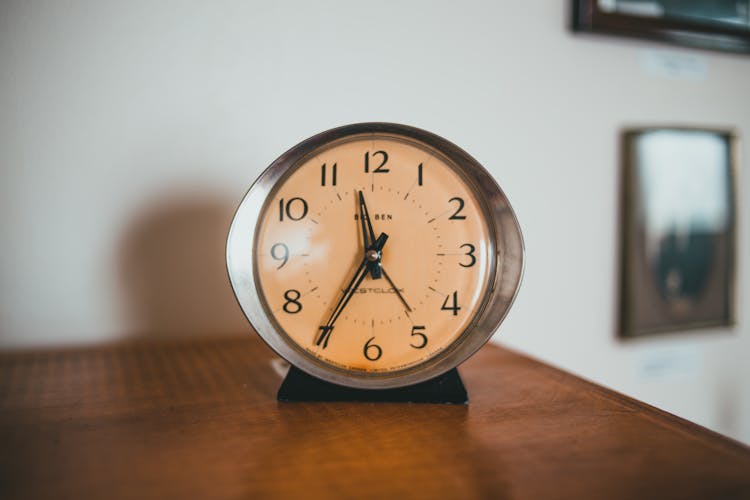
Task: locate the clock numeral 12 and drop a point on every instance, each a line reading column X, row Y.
column 379, row 169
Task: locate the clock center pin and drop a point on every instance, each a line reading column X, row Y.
column 372, row 255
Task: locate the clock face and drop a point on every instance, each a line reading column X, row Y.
column 414, row 299
column 375, row 255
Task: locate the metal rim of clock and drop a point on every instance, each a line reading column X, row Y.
column 506, row 270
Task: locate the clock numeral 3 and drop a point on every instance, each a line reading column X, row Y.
column 454, row 307
column 294, row 209
column 323, row 174
column 372, row 351
column 292, row 304
column 457, row 214
column 422, row 337
column 383, row 160
column 470, row 254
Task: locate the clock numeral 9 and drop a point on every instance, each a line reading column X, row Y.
column 292, row 304
column 454, row 307
column 372, row 351
column 284, row 253
column 379, row 169
column 470, row 254
column 457, row 214
column 422, row 336
column 323, row 174
column 294, row 209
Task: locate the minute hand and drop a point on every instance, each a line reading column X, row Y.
column 348, row 292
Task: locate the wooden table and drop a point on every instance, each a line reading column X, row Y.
column 199, row 419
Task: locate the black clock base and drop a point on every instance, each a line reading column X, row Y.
column 448, row 388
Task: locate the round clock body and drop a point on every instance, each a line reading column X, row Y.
column 375, row 255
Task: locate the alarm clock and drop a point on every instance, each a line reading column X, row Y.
column 375, row 256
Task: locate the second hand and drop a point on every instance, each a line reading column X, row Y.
column 395, row 289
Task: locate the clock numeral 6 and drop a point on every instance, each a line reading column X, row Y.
column 372, row 351
column 292, row 304
column 422, row 336
column 454, row 307
column 383, row 160
column 294, row 209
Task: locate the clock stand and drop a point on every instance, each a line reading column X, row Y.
column 447, row 388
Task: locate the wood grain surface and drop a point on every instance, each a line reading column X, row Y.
column 199, row 419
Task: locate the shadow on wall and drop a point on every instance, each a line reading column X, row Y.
column 173, row 272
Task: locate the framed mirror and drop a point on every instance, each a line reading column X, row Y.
column 678, row 230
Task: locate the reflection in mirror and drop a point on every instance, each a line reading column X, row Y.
column 685, row 206
column 678, row 246
column 731, row 13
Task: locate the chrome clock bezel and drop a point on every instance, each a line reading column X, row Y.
column 506, row 270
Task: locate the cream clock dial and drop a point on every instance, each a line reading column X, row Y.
column 375, row 255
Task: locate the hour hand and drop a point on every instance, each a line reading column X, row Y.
column 372, row 251
column 368, row 235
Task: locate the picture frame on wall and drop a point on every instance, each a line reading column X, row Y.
column 716, row 25
column 677, row 256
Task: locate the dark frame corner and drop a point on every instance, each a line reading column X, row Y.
column 587, row 16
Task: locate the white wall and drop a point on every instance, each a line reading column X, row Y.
column 129, row 130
